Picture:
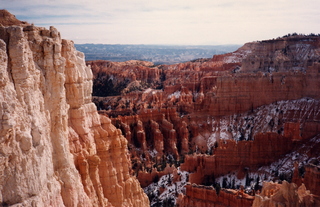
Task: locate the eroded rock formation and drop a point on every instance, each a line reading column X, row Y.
column 197, row 195
column 231, row 156
column 55, row 148
column 241, row 115
column 285, row 194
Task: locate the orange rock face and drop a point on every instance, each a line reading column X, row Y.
column 285, row 194
column 207, row 196
column 231, row 156
column 237, row 113
column 312, row 178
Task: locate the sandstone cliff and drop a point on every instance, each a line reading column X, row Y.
column 55, row 148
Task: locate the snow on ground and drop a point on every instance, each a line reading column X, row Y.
column 211, row 140
column 285, row 165
column 148, row 90
column 267, row 118
column 282, row 169
column 153, row 153
column 220, row 130
column 250, row 182
column 315, row 139
column 171, row 190
column 237, row 56
column 175, row 94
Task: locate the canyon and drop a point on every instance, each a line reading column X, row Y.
column 232, row 122
column 238, row 129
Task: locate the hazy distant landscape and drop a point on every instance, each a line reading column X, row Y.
column 158, row 54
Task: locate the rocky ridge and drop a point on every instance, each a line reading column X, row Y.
column 56, row 150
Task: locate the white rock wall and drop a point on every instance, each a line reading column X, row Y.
column 54, row 151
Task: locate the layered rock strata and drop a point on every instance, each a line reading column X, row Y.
column 197, row 195
column 55, row 148
column 231, row 156
column 235, row 114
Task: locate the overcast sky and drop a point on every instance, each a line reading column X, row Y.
column 191, row 22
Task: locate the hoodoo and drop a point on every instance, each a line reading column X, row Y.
column 237, row 119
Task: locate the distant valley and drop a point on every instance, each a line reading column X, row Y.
column 158, row 54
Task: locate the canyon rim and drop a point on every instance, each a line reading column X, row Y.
column 239, row 129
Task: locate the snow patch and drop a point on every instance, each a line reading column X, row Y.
column 237, row 56
column 220, row 130
column 147, row 90
column 170, row 189
column 269, row 118
column 176, row 94
column 211, row 140
column 153, row 153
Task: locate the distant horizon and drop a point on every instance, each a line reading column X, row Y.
column 200, row 45
column 176, row 45
column 158, row 54
column 180, row 22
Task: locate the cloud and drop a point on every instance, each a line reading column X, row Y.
column 170, row 22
